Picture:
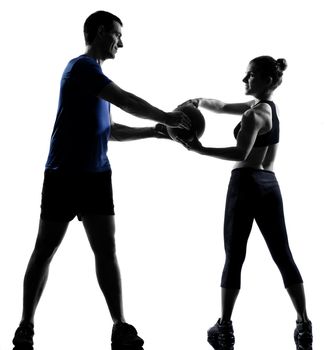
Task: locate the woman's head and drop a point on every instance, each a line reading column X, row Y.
column 264, row 75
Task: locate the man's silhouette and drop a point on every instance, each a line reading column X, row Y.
column 77, row 180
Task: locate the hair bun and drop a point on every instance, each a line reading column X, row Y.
column 281, row 64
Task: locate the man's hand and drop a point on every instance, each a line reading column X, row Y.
column 160, row 131
column 178, row 119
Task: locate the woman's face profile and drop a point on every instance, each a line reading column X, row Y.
column 255, row 83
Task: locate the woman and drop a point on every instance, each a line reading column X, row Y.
column 254, row 194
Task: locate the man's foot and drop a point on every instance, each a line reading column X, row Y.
column 221, row 335
column 24, row 336
column 124, row 336
column 303, row 335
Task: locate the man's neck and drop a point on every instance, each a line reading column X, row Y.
column 94, row 53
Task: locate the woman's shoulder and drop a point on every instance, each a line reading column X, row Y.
column 258, row 115
column 263, row 106
column 261, row 110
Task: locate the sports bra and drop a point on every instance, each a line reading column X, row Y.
column 269, row 138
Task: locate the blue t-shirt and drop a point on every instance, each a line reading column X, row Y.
column 82, row 127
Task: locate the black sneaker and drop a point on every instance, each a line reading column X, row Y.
column 124, row 336
column 24, row 336
column 221, row 335
column 303, row 335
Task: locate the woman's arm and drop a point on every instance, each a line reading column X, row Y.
column 218, row 106
column 250, row 126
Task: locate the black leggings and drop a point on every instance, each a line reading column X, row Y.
column 255, row 194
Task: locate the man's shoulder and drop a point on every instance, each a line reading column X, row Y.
column 82, row 64
column 82, row 60
column 86, row 72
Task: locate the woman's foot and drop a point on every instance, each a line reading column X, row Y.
column 221, row 335
column 24, row 336
column 303, row 335
column 124, row 336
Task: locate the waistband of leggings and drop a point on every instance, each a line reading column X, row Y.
column 251, row 170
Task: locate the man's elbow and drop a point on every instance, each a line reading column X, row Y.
column 114, row 136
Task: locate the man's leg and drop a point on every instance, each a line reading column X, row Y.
column 49, row 237
column 100, row 230
column 48, row 240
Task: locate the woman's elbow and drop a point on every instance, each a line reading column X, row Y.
column 241, row 155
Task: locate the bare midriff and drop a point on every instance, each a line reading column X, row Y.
column 260, row 158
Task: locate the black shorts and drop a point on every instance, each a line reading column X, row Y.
column 66, row 195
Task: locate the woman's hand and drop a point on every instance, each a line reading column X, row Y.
column 194, row 101
column 193, row 145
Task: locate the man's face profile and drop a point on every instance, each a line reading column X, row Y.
column 111, row 40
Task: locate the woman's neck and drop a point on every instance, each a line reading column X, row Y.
column 263, row 96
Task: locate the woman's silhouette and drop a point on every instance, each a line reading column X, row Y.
column 254, row 194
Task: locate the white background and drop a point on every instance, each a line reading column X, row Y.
column 169, row 202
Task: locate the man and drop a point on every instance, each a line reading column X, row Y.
column 77, row 180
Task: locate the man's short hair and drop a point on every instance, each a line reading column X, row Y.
column 95, row 20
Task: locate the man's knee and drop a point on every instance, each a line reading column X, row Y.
column 44, row 252
column 101, row 234
column 49, row 237
column 106, row 250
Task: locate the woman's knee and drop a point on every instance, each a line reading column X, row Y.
column 235, row 258
column 283, row 259
column 231, row 276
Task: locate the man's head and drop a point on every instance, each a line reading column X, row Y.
column 103, row 30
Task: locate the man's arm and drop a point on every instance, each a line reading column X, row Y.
column 121, row 132
column 133, row 104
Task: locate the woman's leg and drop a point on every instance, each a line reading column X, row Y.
column 237, row 227
column 270, row 219
column 228, row 299
column 238, row 222
column 297, row 295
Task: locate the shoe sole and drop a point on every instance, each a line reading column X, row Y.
column 213, row 342
column 126, row 347
column 23, row 347
column 299, row 346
